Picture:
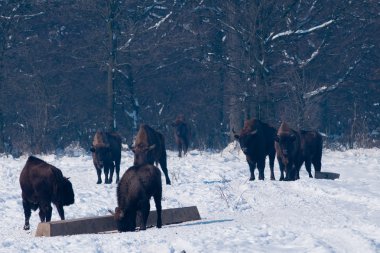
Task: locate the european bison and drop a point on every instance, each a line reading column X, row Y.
column 146, row 137
column 106, row 152
column 294, row 148
column 138, row 184
column 311, row 148
column 181, row 134
column 42, row 184
column 257, row 142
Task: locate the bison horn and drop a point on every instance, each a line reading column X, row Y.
column 111, row 212
column 233, row 131
column 253, row 132
column 152, row 147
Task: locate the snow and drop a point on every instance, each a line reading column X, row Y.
column 238, row 215
column 312, row 29
column 161, row 21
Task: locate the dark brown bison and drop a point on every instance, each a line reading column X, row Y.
column 257, row 142
column 43, row 184
column 106, row 153
column 294, row 148
column 147, row 137
column 138, row 184
column 181, row 134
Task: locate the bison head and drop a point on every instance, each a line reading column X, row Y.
column 286, row 144
column 124, row 221
column 101, row 155
column 66, row 192
column 245, row 140
column 141, row 154
column 179, row 129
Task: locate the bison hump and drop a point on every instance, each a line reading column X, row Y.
column 100, row 140
column 284, row 129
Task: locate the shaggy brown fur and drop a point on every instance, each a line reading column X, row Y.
column 136, row 187
column 257, row 142
column 43, row 184
column 147, row 137
column 181, row 134
column 293, row 148
column 106, row 152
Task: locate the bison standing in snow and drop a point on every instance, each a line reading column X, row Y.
column 41, row 185
column 296, row 147
column 106, row 152
column 181, row 134
column 138, row 184
column 148, row 137
column 257, row 142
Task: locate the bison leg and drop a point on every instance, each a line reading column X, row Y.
column 145, row 208
column 112, row 168
column 164, row 168
column 27, row 213
column 252, row 167
column 45, row 212
column 185, row 146
column 131, row 220
column 261, row 167
column 317, row 164
column 271, row 166
column 289, row 172
column 282, row 169
column 117, row 166
column 297, row 168
column 61, row 212
column 179, row 148
column 308, row 167
column 157, row 201
column 106, row 171
column 99, row 172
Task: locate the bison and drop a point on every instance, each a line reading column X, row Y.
column 138, row 184
column 43, row 184
column 147, row 137
column 106, row 152
column 257, row 142
column 296, row 147
column 181, row 134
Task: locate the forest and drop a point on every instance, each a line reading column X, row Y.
column 70, row 68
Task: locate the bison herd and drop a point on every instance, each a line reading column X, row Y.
column 43, row 184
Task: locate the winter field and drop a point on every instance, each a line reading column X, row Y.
column 307, row 215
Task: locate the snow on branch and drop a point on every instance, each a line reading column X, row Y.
column 324, row 88
column 21, row 16
column 161, row 21
column 313, row 55
column 290, row 32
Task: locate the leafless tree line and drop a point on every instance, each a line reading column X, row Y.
column 68, row 68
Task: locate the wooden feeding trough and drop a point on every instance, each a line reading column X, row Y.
column 326, row 175
column 104, row 224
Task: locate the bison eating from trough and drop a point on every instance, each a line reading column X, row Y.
column 138, row 184
column 181, row 134
column 256, row 140
column 43, row 184
column 106, row 153
column 296, row 147
column 148, row 137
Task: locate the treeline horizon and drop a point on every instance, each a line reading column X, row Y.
column 70, row 68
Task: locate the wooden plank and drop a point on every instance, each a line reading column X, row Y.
column 102, row 224
column 326, row 175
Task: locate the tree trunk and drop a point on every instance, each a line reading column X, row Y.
column 233, row 78
column 112, row 8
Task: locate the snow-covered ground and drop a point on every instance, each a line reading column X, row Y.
column 308, row 215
